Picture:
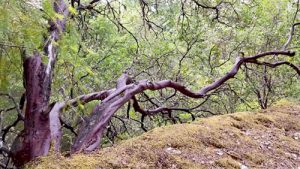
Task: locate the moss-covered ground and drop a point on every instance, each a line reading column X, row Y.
column 265, row 139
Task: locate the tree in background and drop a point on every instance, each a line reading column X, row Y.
column 72, row 52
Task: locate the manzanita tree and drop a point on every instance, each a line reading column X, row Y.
column 40, row 125
column 42, row 121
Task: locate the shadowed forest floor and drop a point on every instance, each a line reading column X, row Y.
column 265, row 139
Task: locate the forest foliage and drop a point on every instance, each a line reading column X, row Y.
column 148, row 39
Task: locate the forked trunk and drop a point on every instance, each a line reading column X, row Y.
column 35, row 139
column 41, row 125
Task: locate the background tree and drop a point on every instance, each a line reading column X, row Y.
column 68, row 55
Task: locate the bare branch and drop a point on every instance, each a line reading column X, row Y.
column 276, row 64
column 291, row 34
column 91, row 132
column 15, row 103
column 6, row 129
column 215, row 8
column 7, row 109
column 83, row 99
column 67, row 126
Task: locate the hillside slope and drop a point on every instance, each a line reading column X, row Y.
column 266, row 139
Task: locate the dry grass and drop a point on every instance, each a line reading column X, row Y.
column 266, row 139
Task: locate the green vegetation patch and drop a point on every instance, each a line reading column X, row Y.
column 269, row 138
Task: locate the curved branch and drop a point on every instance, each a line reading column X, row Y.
column 125, row 83
column 215, row 8
column 292, row 30
column 15, row 103
column 83, row 99
column 91, row 132
column 291, row 34
column 67, row 126
column 144, row 112
column 6, row 129
column 276, row 64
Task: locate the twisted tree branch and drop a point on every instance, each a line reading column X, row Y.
column 91, row 132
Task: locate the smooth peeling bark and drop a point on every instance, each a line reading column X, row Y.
column 92, row 129
column 40, row 126
column 35, row 139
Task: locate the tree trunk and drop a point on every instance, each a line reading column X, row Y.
column 35, row 139
column 41, row 120
column 41, row 125
column 92, row 128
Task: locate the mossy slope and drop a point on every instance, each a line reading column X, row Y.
column 266, row 139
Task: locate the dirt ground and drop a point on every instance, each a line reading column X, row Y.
column 266, row 139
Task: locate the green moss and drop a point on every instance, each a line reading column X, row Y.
column 225, row 141
column 228, row 163
column 255, row 157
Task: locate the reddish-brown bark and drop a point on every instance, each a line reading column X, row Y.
column 35, row 139
column 42, row 126
column 92, row 129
